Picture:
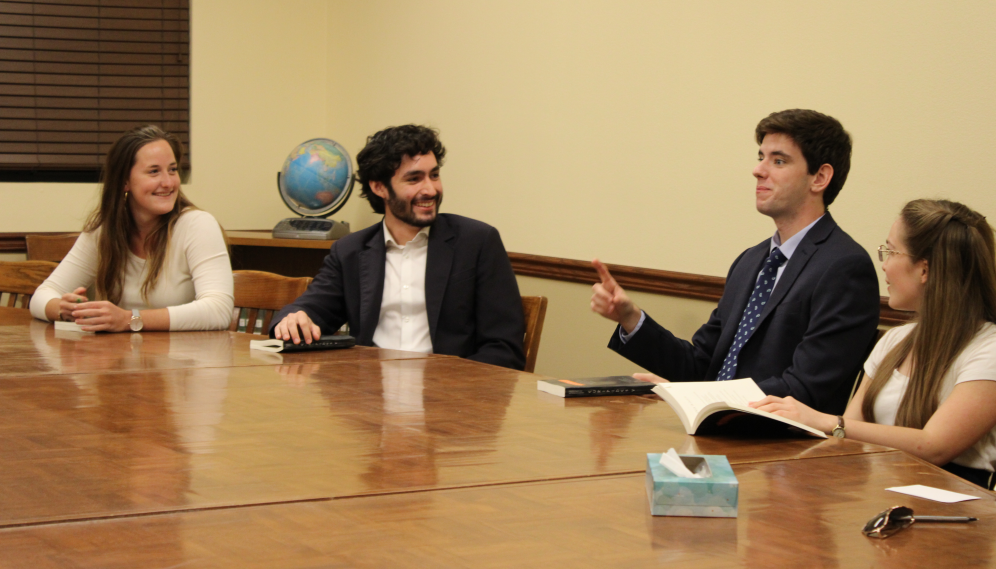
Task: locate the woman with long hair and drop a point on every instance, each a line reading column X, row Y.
column 930, row 385
column 152, row 259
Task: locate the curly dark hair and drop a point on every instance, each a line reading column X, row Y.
column 821, row 138
column 381, row 157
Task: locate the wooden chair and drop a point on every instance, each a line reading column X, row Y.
column 259, row 295
column 49, row 247
column 19, row 279
column 534, row 310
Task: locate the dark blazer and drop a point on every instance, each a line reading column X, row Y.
column 813, row 335
column 471, row 294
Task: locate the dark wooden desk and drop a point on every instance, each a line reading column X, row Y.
column 207, row 456
column 259, row 251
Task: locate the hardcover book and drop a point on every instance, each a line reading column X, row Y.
column 595, row 386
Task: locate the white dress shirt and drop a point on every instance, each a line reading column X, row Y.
column 404, row 322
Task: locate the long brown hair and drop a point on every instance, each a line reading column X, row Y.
column 958, row 298
column 113, row 216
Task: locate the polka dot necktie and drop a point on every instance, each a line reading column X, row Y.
column 752, row 314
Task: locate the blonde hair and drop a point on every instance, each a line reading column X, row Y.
column 958, row 298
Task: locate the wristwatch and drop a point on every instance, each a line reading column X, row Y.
column 838, row 431
column 136, row 321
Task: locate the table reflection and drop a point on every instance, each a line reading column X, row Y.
column 412, row 418
column 117, row 440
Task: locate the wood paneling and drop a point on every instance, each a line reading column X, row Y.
column 670, row 283
column 302, row 258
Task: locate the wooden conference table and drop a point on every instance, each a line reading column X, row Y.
column 186, row 450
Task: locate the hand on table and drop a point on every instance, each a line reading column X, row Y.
column 611, row 301
column 297, row 326
column 97, row 315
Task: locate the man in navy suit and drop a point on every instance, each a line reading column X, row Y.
column 800, row 310
column 419, row 280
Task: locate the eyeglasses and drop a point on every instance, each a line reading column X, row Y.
column 890, row 521
column 898, row 518
column 884, row 253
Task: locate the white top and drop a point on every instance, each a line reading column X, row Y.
column 404, row 322
column 195, row 283
column 976, row 362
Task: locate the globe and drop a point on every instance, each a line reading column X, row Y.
column 317, row 178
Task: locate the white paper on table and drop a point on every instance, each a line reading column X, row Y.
column 935, row 494
column 61, row 326
column 671, row 461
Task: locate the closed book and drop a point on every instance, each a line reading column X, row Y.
column 595, row 386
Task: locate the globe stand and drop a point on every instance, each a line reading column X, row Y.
column 310, row 228
column 312, row 223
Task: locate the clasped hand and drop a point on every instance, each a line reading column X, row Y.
column 93, row 316
column 611, row 301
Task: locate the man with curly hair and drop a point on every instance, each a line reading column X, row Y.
column 419, row 280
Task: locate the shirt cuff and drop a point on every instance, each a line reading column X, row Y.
column 624, row 337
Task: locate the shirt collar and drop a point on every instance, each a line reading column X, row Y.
column 420, row 239
column 790, row 244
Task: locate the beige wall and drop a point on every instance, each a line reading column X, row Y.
column 624, row 130
column 588, row 128
column 574, row 338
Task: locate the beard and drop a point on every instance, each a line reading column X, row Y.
column 405, row 211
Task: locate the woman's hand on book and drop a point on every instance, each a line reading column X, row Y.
column 789, row 408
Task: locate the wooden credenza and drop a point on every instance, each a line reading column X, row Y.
column 258, row 250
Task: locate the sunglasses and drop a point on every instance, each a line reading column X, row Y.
column 898, row 518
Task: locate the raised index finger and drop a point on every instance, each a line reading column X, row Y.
column 603, row 273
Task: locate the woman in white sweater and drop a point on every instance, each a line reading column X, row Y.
column 930, row 386
column 153, row 260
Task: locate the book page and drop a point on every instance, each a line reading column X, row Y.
column 697, row 395
column 796, row 424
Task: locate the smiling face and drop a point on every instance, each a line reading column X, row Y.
column 906, row 278
column 415, row 192
column 784, row 185
column 154, row 182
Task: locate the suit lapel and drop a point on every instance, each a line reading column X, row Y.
column 442, row 242
column 372, row 260
column 800, row 258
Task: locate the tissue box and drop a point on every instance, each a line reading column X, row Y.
column 712, row 497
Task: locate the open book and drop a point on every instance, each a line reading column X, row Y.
column 700, row 404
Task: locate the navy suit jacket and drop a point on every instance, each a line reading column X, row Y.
column 471, row 295
column 813, row 334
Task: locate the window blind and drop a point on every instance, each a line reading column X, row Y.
column 75, row 74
